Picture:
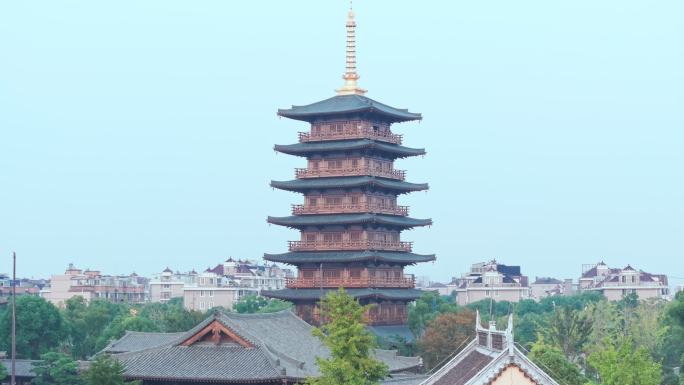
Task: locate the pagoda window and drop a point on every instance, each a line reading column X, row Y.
column 355, row 273
column 333, row 201
column 355, row 163
column 355, row 236
column 335, row 164
column 331, row 273
column 310, row 237
column 307, row 273
column 313, row 201
column 332, row 237
column 314, row 164
column 354, row 199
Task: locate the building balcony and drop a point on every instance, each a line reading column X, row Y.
column 351, row 133
column 302, row 173
column 379, row 319
column 350, row 208
column 349, row 282
column 350, row 245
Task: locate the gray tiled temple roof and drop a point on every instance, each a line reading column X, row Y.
column 348, row 105
column 298, row 221
column 23, row 368
column 348, row 256
column 315, row 294
column 134, row 341
column 301, row 185
column 283, row 348
column 389, row 150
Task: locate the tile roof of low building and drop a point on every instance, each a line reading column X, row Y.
column 546, row 281
column 23, row 368
column 136, row 341
column 301, row 185
column 348, row 105
column 299, row 221
column 349, row 256
column 316, row 294
column 280, row 346
column 392, row 151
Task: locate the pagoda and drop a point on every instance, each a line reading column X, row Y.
column 350, row 223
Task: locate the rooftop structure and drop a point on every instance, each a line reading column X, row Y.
column 491, row 280
column 233, row 348
column 546, row 286
column 350, row 222
column 615, row 284
column 490, row 358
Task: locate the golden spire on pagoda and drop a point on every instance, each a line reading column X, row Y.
column 350, row 76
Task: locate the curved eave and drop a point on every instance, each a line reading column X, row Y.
column 316, row 294
column 300, row 221
column 345, row 105
column 388, row 149
column 301, row 185
column 302, row 257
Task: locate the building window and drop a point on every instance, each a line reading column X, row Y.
column 201, row 293
column 167, row 286
column 211, row 293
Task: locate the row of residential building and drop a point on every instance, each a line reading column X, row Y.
column 227, row 282
column 501, row 282
column 222, row 285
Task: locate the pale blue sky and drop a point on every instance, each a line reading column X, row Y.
column 136, row 135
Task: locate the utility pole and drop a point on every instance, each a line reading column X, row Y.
column 14, row 319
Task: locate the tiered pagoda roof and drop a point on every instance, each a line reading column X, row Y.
column 378, row 147
column 303, row 185
column 349, row 105
column 316, row 294
column 299, row 221
column 302, row 257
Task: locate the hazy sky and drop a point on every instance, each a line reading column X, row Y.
column 136, row 135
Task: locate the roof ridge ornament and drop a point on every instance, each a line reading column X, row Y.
column 350, row 76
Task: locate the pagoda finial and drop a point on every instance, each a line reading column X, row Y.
column 350, row 76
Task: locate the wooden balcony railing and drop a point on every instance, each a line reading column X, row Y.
column 301, row 283
column 356, row 171
column 352, row 133
column 350, row 208
column 350, row 245
column 380, row 319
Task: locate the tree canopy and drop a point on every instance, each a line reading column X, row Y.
column 40, row 327
column 105, row 370
column 344, row 333
column 56, row 369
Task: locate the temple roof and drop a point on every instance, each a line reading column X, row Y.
column 316, row 294
column 300, row 185
column 299, row 221
column 388, row 149
column 346, row 105
column 348, row 256
column 271, row 347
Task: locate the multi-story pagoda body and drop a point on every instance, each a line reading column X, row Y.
column 350, row 221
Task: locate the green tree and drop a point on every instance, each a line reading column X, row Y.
column 259, row 304
column 568, row 329
column 3, row 372
column 86, row 321
column 40, row 327
column 621, row 364
column 555, row 364
column 56, row 369
column 105, row 370
column 350, row 344
column 426, row 308
column 171, row 317
column 445, row 335
column 526, row 329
